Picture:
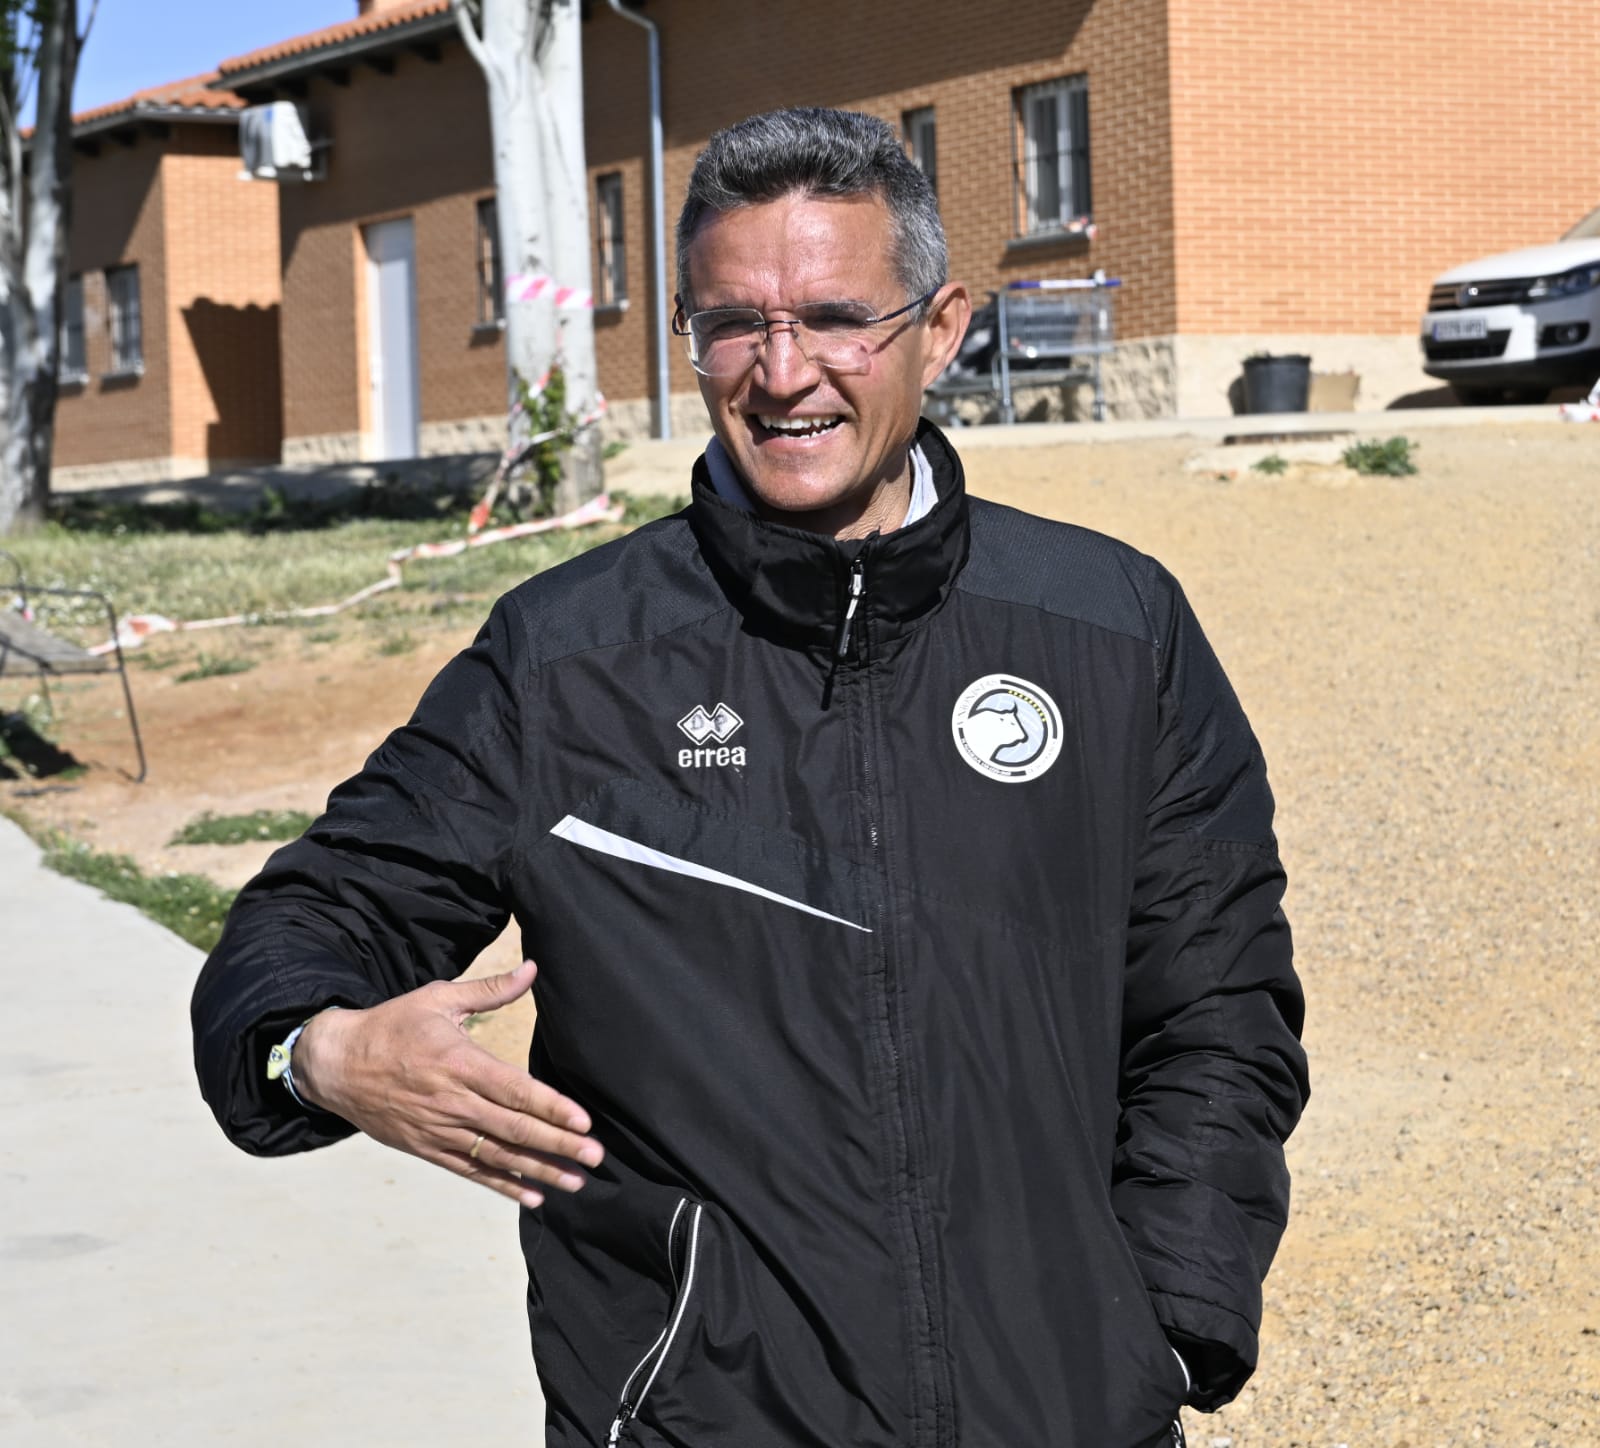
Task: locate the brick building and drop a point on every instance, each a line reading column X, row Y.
column 170, row 346
column 1266, row 178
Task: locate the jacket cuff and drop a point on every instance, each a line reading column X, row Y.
column 232, row 1050
column 1218, row 1348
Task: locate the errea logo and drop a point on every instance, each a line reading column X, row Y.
column 719, row 724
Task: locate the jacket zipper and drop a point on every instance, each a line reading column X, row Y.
column 629, row 1401
column 855, row 588
column 923, row 1303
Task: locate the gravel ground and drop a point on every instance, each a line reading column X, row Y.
column 1419, row 658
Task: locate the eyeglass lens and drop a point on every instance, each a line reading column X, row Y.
column 725, row 341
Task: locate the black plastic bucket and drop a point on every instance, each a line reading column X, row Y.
column 1277, row 384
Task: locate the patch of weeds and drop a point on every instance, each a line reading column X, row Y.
column 1272, row 464
column 1388, row 459
column 400, row 643
column 323, row 636
column 213, row 666
column 188, row 905
column 154, row 661
column 262, row 824
column 612, row 449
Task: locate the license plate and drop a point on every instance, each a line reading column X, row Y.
column 1461, row 329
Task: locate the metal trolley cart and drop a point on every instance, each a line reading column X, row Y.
column 1033, row 334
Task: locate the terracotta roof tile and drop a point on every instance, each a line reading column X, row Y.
column 191, row 94
column 315, row 40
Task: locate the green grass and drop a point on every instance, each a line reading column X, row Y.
column 400, row 643
column 1388, row 459
column 213, row 666
column 1272, row 464
column 226, row 565
column 262, row 824
column 188, row 905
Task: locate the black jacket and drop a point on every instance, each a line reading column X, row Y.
column 940, row 1092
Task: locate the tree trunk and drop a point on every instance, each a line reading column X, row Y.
column 33, row 264
column 566, row 177
column 529, row 53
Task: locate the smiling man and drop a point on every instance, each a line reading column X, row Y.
column 916, row 1012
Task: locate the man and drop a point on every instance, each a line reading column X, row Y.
column 915, row 1008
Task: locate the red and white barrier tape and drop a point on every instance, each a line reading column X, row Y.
column 136, row 628
column 518, row 450
column 530, row 286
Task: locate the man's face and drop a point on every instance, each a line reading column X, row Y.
column 849, row 476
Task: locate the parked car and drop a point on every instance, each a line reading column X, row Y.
column 1511, row 327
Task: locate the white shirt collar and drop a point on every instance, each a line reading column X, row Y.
column 728, row 485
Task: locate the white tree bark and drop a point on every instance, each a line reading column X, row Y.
column 530, row 55
column 35, row 214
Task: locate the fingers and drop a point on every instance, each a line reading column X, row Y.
column 515, row 1142
column 504, row 1183
column 531, row 1168
column 490, row 992
column 523, row 1094
column 517, row 1131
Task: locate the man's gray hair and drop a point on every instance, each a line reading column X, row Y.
column 809, row 151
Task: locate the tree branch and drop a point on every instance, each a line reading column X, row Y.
column 88, row 25
column 543, row 25
column 469, row 36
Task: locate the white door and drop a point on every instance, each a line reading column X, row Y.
column 392, row 337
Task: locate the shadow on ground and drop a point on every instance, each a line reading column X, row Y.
column 27, row 754
column 261, row 500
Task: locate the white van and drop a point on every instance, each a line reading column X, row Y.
column 1511, row 327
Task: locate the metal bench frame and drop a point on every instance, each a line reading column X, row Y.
column 29, row 651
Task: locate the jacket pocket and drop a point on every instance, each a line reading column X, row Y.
column 683, row 1251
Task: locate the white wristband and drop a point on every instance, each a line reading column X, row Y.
column 280, row 1061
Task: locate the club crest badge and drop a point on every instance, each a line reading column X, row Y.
column 1006, row 728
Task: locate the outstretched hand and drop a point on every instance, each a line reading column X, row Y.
column 407, row 1074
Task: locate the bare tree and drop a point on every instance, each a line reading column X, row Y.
column 39, row 43
column 531, row 58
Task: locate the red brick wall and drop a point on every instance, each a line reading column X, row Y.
column 723, row 61
column 411, row 144
column 117, row 221
column 222, row 298
column 1330, row 160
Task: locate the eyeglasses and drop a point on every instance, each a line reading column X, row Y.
column 839, row 336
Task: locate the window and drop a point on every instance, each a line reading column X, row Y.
column 918, row 129
column 74, row 366
column 491, row 273
column 611, row 275
column 127, row 330
column 1053, row 167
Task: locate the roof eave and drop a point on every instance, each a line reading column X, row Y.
column 137, row 115
column 392, row 37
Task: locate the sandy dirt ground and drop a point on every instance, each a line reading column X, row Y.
column 1419, row 658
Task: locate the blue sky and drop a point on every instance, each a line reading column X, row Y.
column 136, row 43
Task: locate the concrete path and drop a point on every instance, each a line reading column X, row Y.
column 158, row 1287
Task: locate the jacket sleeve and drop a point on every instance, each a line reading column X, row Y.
column 402, row 881
column 1213, row 1078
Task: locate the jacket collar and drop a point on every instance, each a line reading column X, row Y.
column 795, row 585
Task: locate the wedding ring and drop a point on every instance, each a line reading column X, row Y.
column 475, row 1146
